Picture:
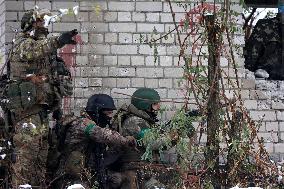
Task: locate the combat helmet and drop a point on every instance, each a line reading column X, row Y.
column 143, row 98
column 31, row 16
column 99, row 102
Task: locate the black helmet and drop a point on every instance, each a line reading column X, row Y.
column 99, row 102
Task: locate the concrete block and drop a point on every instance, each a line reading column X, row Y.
column 95, row 90
column 139, row 82
column 123, row 82
column 121, row 72
column 257, row 94
column 147, row 50
column 96, row 49
column 94, row 27
column 165, row 83
column 263, row 115
column 248, row 83
column 150, row 61
column 280, row 115
column 14, row 5
column 96, row 38
column 125, row 38
column 81, row 82
column 116, row 92
column 145, row 27
column 139, row 38
column 99, row 71
column 166, row 17
column 95, row 82
column 166, row 61
column 173, row 50
column 124, row 16
column 162, row 93
column 28, row 5
column 250, row 104
column 110, row 60
column 152, row 17
column 149, row 6
column 96, row 17
column 151, row 83
column 59, row 27
column 80, row 102
column 279, row 148
column 56, row 5
column 173, row 72
column 272, row 126
column 277, row 105
column 122, row 27
column 123, row 60
column 96, row 6
column 138, row 17
column 11, row 27
column 149, row 72
column 176, row 8
column 111, row 38
column 173, row 93
column 269, row 137
column 95, row 60
column 109, row 82
column 137, row 60
column 121, row 6
column 264, row 104
column 179, row 83
column 110, row 16
column 170, row 39
column 82, row 60
column 124, row 49
column 245, row 94
column 9, row 16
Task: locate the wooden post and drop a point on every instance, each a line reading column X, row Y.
column 213, row 120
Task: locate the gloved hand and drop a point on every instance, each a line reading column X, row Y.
column 131, row 142
column 66, row 38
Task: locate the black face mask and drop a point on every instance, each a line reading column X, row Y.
column 153, row 115
column 100, row 118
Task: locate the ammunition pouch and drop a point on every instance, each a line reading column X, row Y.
column 23, row 95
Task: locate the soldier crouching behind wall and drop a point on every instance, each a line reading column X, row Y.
column 78, row 134
column 135, row 120
column 32, row 93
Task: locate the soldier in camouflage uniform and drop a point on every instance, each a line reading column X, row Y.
column 135, row 120
column 78, row 134
column 33, row 92
column 263, row 50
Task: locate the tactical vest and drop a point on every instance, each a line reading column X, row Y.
column 35, row 83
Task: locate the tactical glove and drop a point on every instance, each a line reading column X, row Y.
column 66, row 38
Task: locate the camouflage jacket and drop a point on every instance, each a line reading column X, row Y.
column 79, row 133
column 263, row 48
column 132, row 122
column 30, row 56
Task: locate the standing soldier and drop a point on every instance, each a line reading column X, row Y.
column 76, row 135
column 34, row 90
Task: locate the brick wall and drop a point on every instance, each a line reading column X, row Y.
column 109, row 57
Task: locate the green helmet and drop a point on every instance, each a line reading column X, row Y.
column 31, row 16
column 143, row 98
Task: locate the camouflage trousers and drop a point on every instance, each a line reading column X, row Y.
column 31, row 147
column 143, row 175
